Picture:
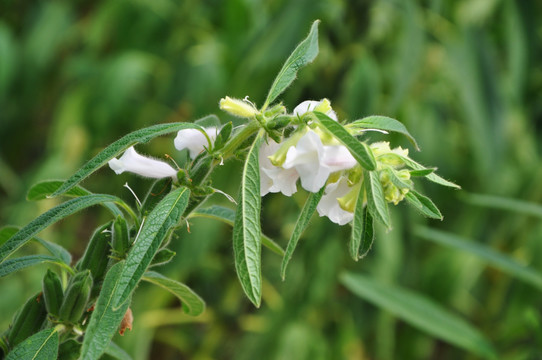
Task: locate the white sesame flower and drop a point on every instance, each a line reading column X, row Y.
column 131, row 161
column 275, row 178
column 314, row 162
column 311, row 105
column 329, row 205
column 194, row 140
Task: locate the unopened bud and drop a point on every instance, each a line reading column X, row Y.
column 236, row 107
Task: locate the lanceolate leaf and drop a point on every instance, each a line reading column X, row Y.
column 192, row 304
column 247, row 230
column 362, row 237
column 13, row 265
column 227, row 216
column 359, row 150
column 302, row 221
column 303, row 54
column 139, row 136
column 105, row 319
column 423, row 204
column 486, row 254
column 375, row 198
column 420, row 312
column 42, row 345
column 56, row 250
column 384, row 123
column 431, row 176
column 50, row 217
column 45, row 188
column 153, row 232
column 117, row 352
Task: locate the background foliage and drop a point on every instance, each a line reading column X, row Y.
column 464, row 76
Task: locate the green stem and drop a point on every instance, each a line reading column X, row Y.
column 130, row 211
column 238, row 139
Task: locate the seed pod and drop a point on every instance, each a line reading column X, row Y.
column 76, row 298
column 96, row 255
column 28, row 321
column 120, row 237
column 52, row 292
column 157, row 192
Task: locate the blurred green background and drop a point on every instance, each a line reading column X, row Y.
column 465, row 77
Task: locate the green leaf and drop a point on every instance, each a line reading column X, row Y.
column 117, row 352
column 423, row 172
column 503, row 203
column 139, row 136
column 42, row 345
column 227, row 216
column 431, row 176
column 247, row 232
column 13, row 265
column 153, row 232
column 423, row 204
column 375, row 198
column 359, row 150
column 43, row 189
column 302, row 221
column 303, row 54
column 192, row 304
column 384, row 123
column 484, row 253
column 420, row 312
column 397, row 181
column 362, row 236
column 56, row 250
column 105, row 319
column 50, row 217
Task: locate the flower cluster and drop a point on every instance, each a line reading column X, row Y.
column 308, row 153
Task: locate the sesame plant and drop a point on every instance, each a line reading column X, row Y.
column 349, row 180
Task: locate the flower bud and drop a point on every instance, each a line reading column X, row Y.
column 239, row 108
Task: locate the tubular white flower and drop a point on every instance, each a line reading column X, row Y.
column 131, row 161
column 329, row 205
column 275, row 178
column 312, row 105
column 194, row 140
column 314, row 162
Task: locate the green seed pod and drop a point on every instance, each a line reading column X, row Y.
column 120, row 237
column 52, row 292
column 162, row 257
column 28, row 321
column 76, row 298
column 156, row 193
column 69, row 350
column 96, row 255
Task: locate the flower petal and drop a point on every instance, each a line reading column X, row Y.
column 133, row 162
column 194, row 140
column 329, row 206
